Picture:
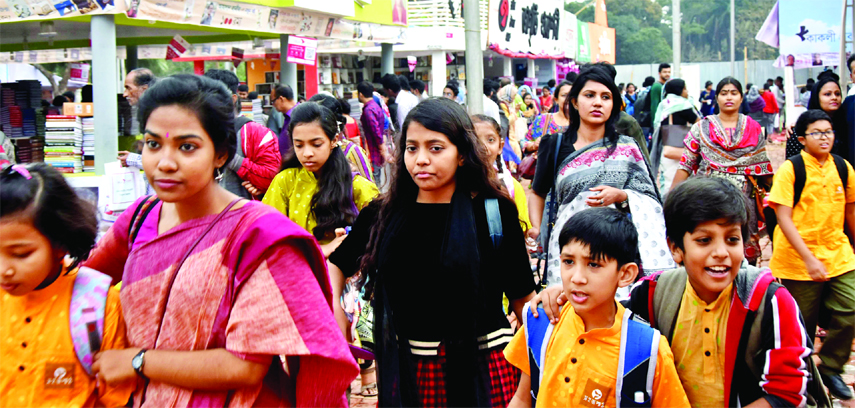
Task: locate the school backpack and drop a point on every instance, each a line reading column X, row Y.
column 639, row 113
column 665, row 303
column 801, row 176
column 86, row 314
column 639, row 348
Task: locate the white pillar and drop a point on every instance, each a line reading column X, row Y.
column 287, row 70
column 438, row 76
column 387, row 59
column 105, row 89
column 530, row 72
column 676, row 41
column 474, row 58
column 507, row 66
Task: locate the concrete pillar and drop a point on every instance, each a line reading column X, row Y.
column 387, row 59
column 507, row 66
column 105, row 87
column 287, row 70
column 530, row 69
column 438, row 76
column 131, row 62
column 474, row 58
column 676, row 39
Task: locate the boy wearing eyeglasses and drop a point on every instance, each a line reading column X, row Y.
column 812, row 255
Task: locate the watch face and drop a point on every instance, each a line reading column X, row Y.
column 136, row 362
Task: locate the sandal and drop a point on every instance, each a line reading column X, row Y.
column 369, row 390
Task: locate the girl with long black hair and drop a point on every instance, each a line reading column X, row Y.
column 428, row 237
column 316, row 187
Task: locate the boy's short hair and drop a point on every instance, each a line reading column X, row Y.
column 701, row 199
column 608, row 233
column 808, row 118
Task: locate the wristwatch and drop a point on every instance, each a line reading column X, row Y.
column 623, row 205
column 138, row 362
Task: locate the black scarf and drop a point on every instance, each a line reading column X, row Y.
column 396, row 365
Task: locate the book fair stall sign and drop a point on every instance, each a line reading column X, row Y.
column 532, row 29
column 808, row 36
column 302, row 50
column 208, row 15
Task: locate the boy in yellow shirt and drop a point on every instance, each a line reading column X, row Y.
column 585, row 363
column 813, row 256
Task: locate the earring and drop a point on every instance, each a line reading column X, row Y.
column 219, row 177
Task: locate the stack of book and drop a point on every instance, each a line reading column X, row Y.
column 22, row 119
column 64, row 143
column 246, row 108
column 89, row 144
column 29, row 93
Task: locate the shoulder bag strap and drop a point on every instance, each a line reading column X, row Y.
column 552, row 206
column 494, row 221
column 178, row 270
column 639, row 349
column 139, row 216
column 842, row 170
column 800, row 175
column 537, row 334
column 184, row 258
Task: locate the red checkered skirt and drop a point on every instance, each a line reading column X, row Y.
column 497, row 371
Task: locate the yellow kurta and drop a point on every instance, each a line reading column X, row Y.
column 291, row 193
column 39, row 367
column 698, row 346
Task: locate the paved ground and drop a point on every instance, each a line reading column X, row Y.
column 776, row 155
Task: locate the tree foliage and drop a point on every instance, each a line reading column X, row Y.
column 643, row 29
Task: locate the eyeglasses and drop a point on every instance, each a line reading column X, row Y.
column 820, row 135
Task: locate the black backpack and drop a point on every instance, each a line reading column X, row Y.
column 642, row 108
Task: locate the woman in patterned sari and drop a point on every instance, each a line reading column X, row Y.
column 227, row 302
column 597, row 167
column 729, row 145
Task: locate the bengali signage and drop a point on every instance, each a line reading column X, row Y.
column 529, row 28
column 810, row 36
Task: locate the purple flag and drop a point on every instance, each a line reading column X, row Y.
column 769, row 31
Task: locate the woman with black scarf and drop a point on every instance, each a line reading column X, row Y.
column 437, row 269
column 826, row 96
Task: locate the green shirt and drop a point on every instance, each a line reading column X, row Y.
column 655, row 97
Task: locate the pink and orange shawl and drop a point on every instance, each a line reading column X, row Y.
column 255, row 285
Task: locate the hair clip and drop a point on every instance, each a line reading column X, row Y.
column 20, row 169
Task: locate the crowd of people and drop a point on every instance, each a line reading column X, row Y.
column 272, row 265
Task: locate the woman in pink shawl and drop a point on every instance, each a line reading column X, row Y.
column 730, row 145
column 227, row 302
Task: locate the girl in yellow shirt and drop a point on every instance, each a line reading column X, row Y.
column 316, row 188
column 48, row 304
column 488, row 132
